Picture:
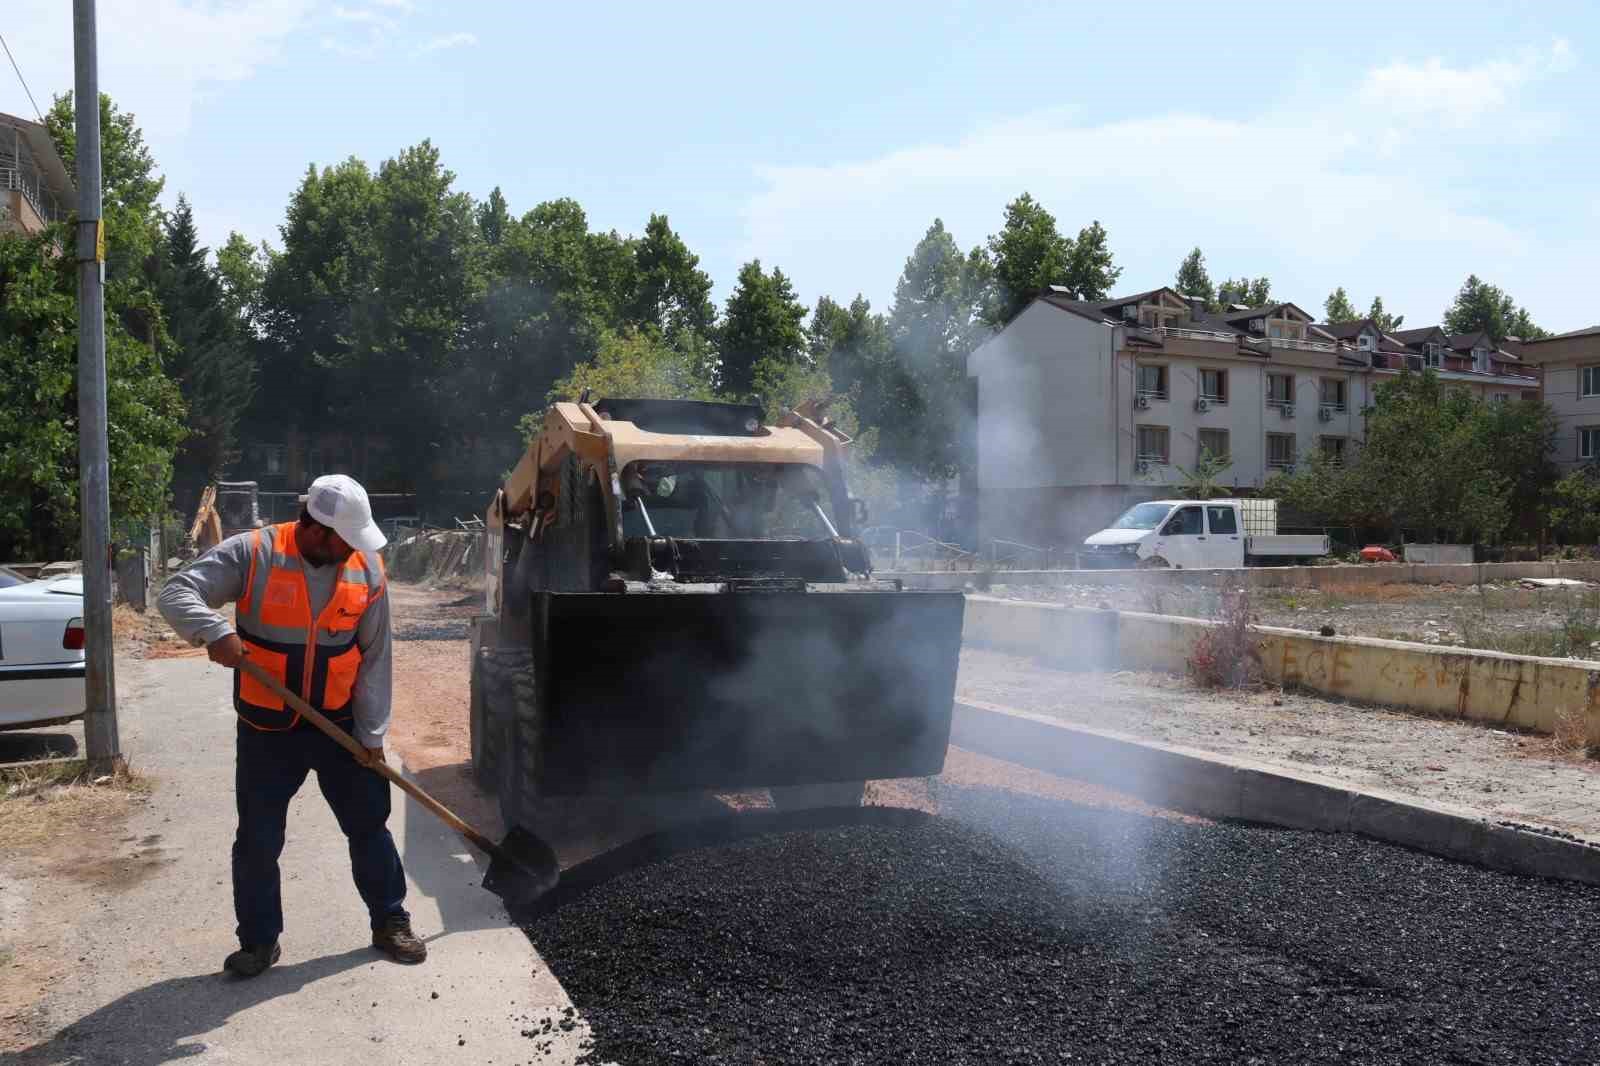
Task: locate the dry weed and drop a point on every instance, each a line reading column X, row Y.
column 40, row 801
column 1571, row 734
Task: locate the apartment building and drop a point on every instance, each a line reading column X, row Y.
column 1471, row 360
column 1570, row 363
column 35, row 188
column 1084, row 407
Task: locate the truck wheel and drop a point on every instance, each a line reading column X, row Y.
column 805, row 797
column 1155, row 562
column 512, row 728
column 480, row 727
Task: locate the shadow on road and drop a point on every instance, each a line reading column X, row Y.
column 31, row 744
column 147, row 1027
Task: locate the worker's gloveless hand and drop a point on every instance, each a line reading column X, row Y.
column 374, row 755
column 226, row 651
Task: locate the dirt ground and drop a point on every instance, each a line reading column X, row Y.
column 1508, row 776
column 1563, row 623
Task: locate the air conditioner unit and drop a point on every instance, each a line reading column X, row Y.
column 1325, row 414
column 1142, row 466
column 1202, row 405
column 1287, row 410
column 1141, row 402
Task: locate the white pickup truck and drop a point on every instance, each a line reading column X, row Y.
column 1198, row 534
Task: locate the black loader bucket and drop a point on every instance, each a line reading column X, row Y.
column 679, row 690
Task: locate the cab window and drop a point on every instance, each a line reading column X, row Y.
column 1187, row 522
column 1222, row 520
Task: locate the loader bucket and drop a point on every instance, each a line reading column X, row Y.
column 683, row 690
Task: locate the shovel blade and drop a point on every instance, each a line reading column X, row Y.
column 522, row 868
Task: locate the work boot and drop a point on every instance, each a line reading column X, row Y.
column 251, row 962
column 397, row 941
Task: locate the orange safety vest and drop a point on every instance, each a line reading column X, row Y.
column 316, row 658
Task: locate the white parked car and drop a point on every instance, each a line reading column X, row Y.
column 41, row 650
column 1200, row 534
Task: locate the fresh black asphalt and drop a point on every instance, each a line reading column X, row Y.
column 1013, row 929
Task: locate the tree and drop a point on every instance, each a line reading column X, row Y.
column 493, row 218
column 1192, row 278
column 1251, row 292
column 672, row 294
column 851, row 343
column 1481, row 306
column 206, row 351
column 1337, row 307
column 1573, row 506
column 241, row 271
column 1090, row 268
column 631, row 364
column 1029, row 254
column 1386, row 322
column 762, row 323
column 39, row 513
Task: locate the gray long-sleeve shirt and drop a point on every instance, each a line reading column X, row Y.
column 190, row 599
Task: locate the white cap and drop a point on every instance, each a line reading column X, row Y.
column 340, row 502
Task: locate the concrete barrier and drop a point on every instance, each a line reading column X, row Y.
column 1309, row 577
column 1518, row 691
column 1220, row 786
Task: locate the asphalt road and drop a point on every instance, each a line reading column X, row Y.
column 1013, row 929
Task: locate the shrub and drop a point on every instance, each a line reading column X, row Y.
column 1227, row 654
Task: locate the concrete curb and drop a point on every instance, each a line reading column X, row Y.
column 1220, row 786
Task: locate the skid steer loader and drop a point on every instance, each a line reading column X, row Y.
column 675, row 600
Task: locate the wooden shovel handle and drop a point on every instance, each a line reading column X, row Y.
column 354, row 747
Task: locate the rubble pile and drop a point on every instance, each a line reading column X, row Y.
column 436, row 557
column 1017, row 929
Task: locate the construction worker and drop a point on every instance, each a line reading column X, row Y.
column 312, row 610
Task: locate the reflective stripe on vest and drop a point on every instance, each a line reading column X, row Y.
column 318, row 659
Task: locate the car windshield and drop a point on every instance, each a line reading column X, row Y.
column 727, row 501
column 1142, row 516
column 10, row 578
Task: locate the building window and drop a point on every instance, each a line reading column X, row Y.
column 1500, row 397
column 1333, row 449
column 1589, row 442
column 1152, row 381
column 1432, row 354
column 1591, row 381
column 1364, row 342
column 1333, row 393
column 1213, row 442
column 1280, row 451
column 1154, row 445
column 1214, row 386
column 1280, row 390
column 1480, row 360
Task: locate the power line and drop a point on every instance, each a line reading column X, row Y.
column 36, row 112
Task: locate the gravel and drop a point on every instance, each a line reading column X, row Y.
column 1019, row 929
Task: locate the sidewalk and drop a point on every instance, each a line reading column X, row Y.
column 148, row 988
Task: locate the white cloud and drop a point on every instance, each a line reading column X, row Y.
column 1308, row 198
column 451, row 40
column 364, row 17
column 157, row 57
column 1458, row 96
column 397, row 5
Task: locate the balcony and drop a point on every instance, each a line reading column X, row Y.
column 1302, row 346
column 1213, row 335
column 33, row 192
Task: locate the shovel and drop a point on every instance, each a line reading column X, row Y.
column 521, row 867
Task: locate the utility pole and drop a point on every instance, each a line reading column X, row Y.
column 94, row 481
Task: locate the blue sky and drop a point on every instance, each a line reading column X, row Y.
column 1390, row 148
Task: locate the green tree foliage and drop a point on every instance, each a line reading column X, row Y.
column 632, row 364
column 39, row 408
column 1338, row 308
column 1481, row 306
column 1091, row 269
column 241, row 271
column 1029, row 255
column 763, row 323
column 1437, row 462
column 1251, row 292
column 671, row 293
column 1386, row 322
column 1574, row 506
column 1193, row 280
column 206, row 350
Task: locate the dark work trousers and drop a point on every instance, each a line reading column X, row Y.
column 271, row 768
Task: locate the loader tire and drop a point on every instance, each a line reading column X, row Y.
column 480, row 728
column 806, row 797
column 512, row 723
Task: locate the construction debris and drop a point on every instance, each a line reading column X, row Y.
column 1554, row 583
column 436, row 557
